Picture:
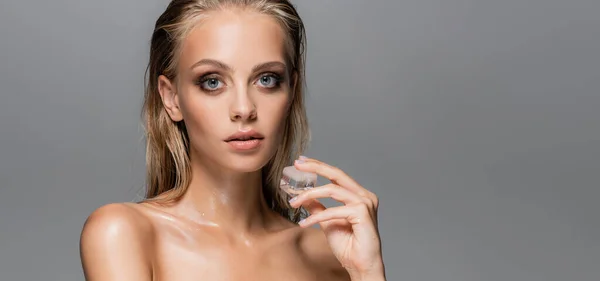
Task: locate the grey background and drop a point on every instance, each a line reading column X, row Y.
column 476, row 122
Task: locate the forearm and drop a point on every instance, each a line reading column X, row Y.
column 376, row 274
column 370, row 277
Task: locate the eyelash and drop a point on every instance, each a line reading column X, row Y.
column 211, row 76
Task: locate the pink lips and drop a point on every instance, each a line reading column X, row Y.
column 246, row 140
column 245, row 145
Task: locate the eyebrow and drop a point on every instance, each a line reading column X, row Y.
column 214, row 63
column 226, row 67
column 267, row 65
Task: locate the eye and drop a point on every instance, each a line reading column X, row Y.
column 269, row 80
column 211, row 84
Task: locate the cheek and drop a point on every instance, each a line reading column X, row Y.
column 275, row 113
column 200, row 117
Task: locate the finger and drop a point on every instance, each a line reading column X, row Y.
column 331, row 173
column 314, row 206
column 337, row 176
column 363, row 228
column 326, row 191
column 354, row 214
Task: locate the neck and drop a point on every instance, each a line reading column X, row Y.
column 228, row 200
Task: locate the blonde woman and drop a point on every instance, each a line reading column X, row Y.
column 224, row 113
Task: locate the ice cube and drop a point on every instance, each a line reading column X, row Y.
column 294, row 181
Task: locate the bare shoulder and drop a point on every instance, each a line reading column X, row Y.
column 316, row 248
column 116, row 243
column 116, row 220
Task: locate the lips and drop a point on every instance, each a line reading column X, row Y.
column 245, row 136
column 245, row 141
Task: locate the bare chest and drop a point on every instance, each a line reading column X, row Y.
column 222, row 269
column 211, row 260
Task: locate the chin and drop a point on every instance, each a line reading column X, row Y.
column 246, row 163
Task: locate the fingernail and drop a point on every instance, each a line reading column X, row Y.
column 301, row 222
column 293, row 199
column 302, row 157
column 299, row 161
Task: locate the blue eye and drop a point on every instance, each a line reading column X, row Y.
column 269, row 81
column 211, row 84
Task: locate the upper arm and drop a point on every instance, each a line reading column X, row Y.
column 115, row 245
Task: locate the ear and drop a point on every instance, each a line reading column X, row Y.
column 170, row 98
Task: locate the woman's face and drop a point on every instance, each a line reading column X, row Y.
column 233, row 78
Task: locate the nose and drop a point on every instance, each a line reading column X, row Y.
column 242, row 108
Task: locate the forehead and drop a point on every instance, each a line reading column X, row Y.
column 236, row 37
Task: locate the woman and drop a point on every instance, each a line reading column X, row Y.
column 224, row 114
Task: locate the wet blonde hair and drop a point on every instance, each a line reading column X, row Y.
column 168, row 171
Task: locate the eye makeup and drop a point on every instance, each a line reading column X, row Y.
column 212, row 81
column 269, row 80
column 209, row 82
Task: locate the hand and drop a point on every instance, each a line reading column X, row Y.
column 351, row 229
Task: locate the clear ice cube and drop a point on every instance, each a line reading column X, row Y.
column 294, row 181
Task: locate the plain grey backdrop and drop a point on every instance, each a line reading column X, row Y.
column 477, row 122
